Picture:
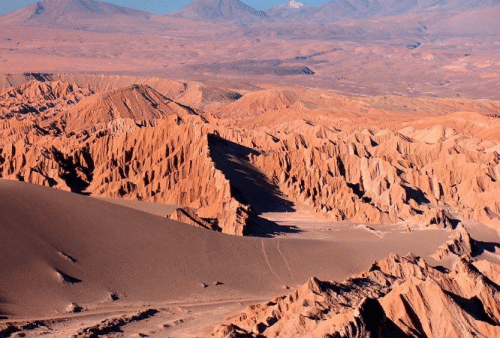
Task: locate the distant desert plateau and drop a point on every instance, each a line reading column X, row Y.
column 223, row 171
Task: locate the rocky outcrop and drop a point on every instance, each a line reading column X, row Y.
column 34, row 98
column 155, row 163
column 396, row 297
column 254, row 104
column 188, row 216
column 459, row 244
column 137, row 103
column 135, row 143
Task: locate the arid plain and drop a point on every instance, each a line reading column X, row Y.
column 327, row 171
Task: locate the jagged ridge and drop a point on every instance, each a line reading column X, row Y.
column 396, row 297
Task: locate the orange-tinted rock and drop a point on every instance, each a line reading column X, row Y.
column 398, row 296
column 189, row 216
column 135, row 143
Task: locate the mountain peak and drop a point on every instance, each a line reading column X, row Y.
column 55, row 12
column 362, row 9
column 291, row 9
column 292, row 4
column 79, row 14
column 217, row 10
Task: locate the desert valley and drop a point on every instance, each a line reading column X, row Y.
column 225, row 171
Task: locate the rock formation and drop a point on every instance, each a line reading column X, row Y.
column 133, row 142
column 460, row 243
column 189, row 216
column 379, row 176
column 35, row 98
column 396, row 297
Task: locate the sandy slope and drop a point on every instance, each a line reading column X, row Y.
column 59, row 248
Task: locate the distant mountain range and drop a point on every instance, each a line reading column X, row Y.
column 100, row 16
column 338, row 10
column 364, row 9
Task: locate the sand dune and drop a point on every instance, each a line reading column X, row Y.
column 60, row 248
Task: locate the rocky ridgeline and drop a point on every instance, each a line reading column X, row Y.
column 396, row 297
column 35, row 98
column 382, row 176
column 135, row 143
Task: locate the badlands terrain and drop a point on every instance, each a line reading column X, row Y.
column 223, row 171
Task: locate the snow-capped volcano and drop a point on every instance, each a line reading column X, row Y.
column 288, row 9
column 292, row 5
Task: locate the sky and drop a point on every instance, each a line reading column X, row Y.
column 155, row 6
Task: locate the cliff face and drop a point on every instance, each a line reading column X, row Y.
column 135, row 143
column 396, row 297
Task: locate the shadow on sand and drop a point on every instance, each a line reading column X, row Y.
column 261, row 227
column 480, row 247
column 250, row 186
